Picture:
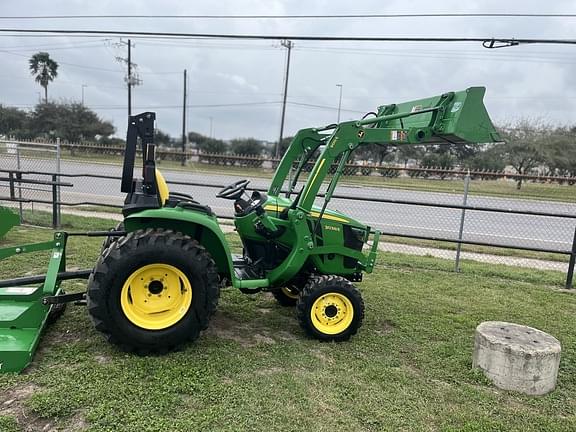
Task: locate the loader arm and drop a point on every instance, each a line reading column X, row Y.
column 454, row 117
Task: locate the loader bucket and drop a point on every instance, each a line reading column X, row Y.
column 464, row 119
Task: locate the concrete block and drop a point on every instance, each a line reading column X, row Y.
column 517, row 357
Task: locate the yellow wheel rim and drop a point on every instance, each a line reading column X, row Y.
column 290, row 293
column 156, row 296
column 332, row 313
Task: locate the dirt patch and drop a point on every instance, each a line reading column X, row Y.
column 224, row 327
column 264, row 339
column 285, row 336
column 12, row 398
column 322, row 357
column 63, row 336
column 12, row 403
column 102, row 359
column 385, row 327
column 270, row 371
column 77, row 423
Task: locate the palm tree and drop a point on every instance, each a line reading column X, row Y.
column 45, row 70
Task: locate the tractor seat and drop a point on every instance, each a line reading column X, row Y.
column 161, row 187
column 177, row 199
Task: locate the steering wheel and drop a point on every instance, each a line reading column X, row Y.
column 234, row 190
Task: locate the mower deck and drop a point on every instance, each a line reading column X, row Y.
column 22, row 319
column 27, row 302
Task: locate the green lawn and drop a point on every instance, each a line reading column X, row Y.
column 409, row 368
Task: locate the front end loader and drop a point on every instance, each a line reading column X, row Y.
column 157, row 281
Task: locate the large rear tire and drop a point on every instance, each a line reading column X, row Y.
column 330, row 308
column 153, row 290
column 109, row 240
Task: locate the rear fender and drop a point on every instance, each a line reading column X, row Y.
column 200, row 226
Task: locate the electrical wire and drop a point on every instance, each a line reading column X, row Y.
column 487, row 42
column 63, row 63
column 331, row 16
column 326, row 107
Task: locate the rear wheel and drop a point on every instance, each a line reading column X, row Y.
column 330, row 308
column 153, row 290
column 109, row 240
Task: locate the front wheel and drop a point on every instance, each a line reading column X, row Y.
column 330, row 308
column 153, row 290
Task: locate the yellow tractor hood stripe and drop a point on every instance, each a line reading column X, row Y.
column 314, row 214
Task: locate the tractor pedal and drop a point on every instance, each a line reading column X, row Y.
column 239, row 261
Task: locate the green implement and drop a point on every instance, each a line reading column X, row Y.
column 28, row 304
column 8, row 220
column 23, row 314
column 156, row 284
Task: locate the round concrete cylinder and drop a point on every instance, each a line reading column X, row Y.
column 517, row 357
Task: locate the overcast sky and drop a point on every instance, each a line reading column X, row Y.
column 523, row 81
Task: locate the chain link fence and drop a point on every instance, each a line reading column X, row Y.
column 421, row 215
column 31, row 156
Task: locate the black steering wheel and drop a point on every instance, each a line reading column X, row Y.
column 234, row 190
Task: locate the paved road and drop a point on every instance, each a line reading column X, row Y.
column 517, row 230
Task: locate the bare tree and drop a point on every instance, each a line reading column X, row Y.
column 524, row 144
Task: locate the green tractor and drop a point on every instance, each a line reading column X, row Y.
column 157, row 281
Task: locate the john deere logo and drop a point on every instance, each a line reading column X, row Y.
column 361, row 133
column 456, row 107
column 331, row 228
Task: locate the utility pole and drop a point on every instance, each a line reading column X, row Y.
column 339, row 102
column 131, row 78
column 184, row 123
column 211, row 119
column 288, row 44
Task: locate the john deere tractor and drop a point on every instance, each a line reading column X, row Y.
column 157, row 281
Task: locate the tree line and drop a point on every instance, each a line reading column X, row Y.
column 530, row 147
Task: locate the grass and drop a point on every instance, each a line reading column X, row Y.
column 409, row 368
column 495, row 188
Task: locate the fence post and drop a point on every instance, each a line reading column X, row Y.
column 58, row 197
column 11, row 185
column 570, row 274
column 462, row 218
column 55, row 216
column 18, row 167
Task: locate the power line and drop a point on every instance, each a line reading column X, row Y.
column 79, row 44
column 63, row 63
column 442, row 55
column 332, row 16
column 324, row 107
column 488, row 42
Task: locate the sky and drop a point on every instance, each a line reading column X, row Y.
column 235, row 87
